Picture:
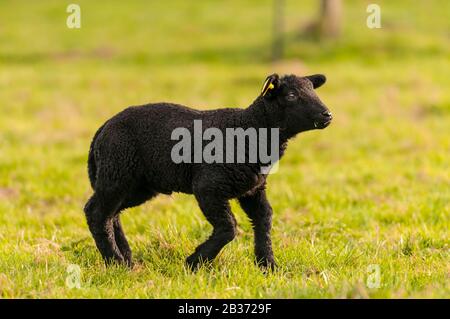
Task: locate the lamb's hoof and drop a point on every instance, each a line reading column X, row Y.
column 267, row 264
column 194, row 262
column 116, row 261
column 129, row 263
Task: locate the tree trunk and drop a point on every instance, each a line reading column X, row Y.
column 330, row 18
column 278, row 29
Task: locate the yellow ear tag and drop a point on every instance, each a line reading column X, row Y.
column 267, row 87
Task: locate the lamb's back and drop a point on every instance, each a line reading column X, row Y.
column 147, row 132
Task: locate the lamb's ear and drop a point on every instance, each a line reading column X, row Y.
column 271, row 84
column 317, row 80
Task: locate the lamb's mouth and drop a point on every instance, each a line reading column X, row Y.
column 321, row 125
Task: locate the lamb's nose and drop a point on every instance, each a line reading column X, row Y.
column 327, row 114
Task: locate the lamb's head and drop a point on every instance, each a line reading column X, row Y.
column 300, row 107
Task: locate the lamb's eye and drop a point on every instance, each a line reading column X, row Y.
column 291, row 96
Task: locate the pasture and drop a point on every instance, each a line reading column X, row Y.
column 371, row 192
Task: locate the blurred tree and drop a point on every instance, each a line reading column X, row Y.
column 329, row 23
column 278, row 29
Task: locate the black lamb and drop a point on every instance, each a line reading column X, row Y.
column 130, row 162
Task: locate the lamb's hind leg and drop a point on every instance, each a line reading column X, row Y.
column 121, row 241
column 135, row 199
column 100, row 215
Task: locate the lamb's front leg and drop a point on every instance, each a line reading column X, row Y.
column 258, row 209
column 217, row 211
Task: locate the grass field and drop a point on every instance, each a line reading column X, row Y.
column 372, row 189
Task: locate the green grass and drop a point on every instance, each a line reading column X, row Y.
column 373, row 188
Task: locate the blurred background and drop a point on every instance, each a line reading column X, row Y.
column 373, row 188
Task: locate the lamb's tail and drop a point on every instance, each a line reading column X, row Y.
column 92, row 165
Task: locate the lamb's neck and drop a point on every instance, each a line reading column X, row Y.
column 258, row 115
